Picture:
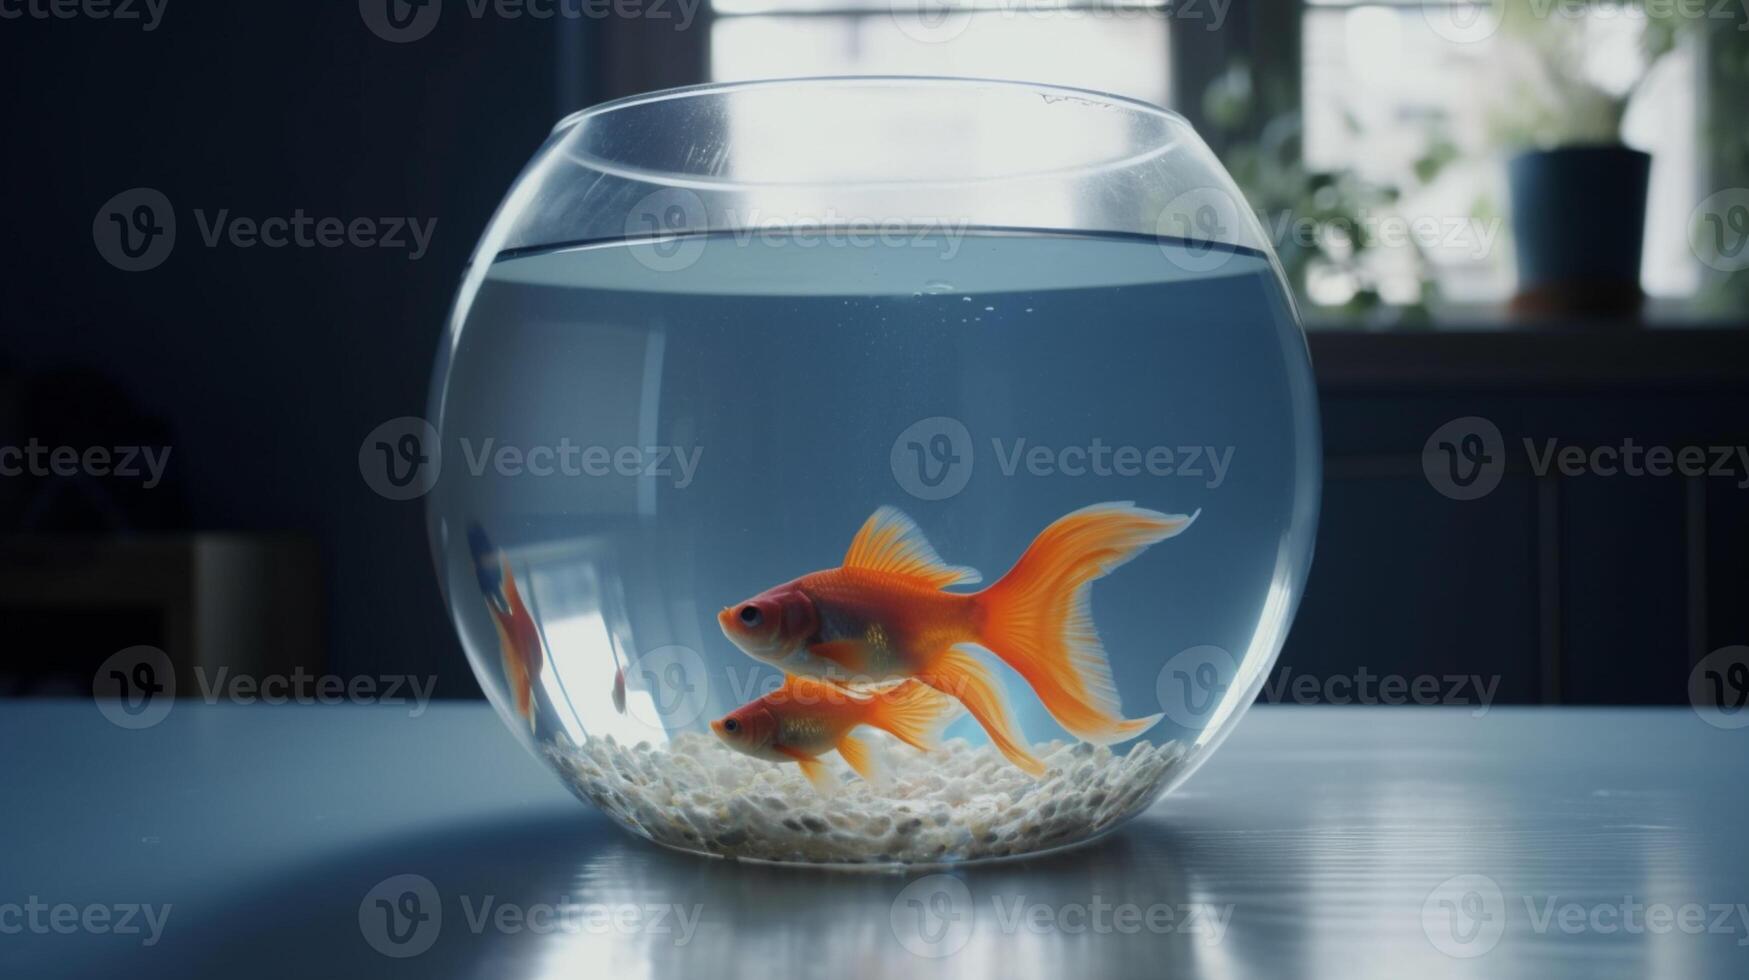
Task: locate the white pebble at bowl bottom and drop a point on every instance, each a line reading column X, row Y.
column 955, row 804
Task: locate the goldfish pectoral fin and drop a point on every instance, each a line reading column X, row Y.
column 849, row 655
column 1038, row 618
column 814, row 770
column 890, row 542
column 512, row 596
column 861, row 758
column 960, row 675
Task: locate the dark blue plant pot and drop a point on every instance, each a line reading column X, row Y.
column 1579, row 220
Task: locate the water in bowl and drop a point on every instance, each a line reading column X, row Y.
column 642, row 435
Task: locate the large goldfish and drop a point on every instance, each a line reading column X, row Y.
column 886, row 614
column 519, row 642
column 805, row 719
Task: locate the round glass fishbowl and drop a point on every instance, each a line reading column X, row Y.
column 873, row 470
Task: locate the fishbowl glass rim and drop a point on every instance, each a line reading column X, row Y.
column 1180, row 126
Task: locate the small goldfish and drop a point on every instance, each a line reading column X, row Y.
column 887, row 614
column 519, row 642
column 805, row 719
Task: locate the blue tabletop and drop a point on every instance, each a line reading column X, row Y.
column 347, row 841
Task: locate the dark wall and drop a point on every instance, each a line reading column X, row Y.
column 263, row 368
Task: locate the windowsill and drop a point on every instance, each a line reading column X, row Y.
column 1659, row 314
column 1663, row 347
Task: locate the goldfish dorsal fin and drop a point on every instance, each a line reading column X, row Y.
column 890, row 542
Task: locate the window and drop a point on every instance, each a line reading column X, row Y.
column 1417, row 103
column 1430, row 101
column 1114, row 47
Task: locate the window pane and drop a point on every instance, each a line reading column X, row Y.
column 1122, row 51
column 1382, row 86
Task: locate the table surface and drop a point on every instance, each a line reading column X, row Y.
column 1339, row 842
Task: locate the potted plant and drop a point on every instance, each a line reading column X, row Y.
column 1578, row 193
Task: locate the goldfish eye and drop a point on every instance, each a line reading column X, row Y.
column 750, row 615
column 731, row 725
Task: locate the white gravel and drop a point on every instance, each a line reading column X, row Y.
column 959, row 803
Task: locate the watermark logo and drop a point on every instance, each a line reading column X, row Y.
column 932, row 21
column 1465, row 458
column 401, row 917
column 678, row 685
column 1718, row 230
column 933, row 916
column 665, row 229
column 40, row 918
column 135, row 688
column 932, row 459
column 401, row 458
column 135, row 230
column 1464, row 916
column 400, row 21
column 1464, row 21
column 1195, row 229
column 1193, row 683
column 1718, row 688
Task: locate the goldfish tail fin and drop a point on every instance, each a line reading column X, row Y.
column 959, row 674
column 913, row 713
column 861, row 758
column 1038, row 620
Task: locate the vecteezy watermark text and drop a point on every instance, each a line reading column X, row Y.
column 933, row 459
column 1206, row 463
column 941, row 21
column 1195, row 682
column 147, row 13
column 402, row 458
column 1471, row 21
column 830, row 229
column 118, row 462
column 136, row 231
column 404, row 21
column 402, row 917
column 566, row 458
column 1466, row 916
column 41, row 918
column 136, row 688
column 1465, row 459
column 935, row 916
column 303, row 687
